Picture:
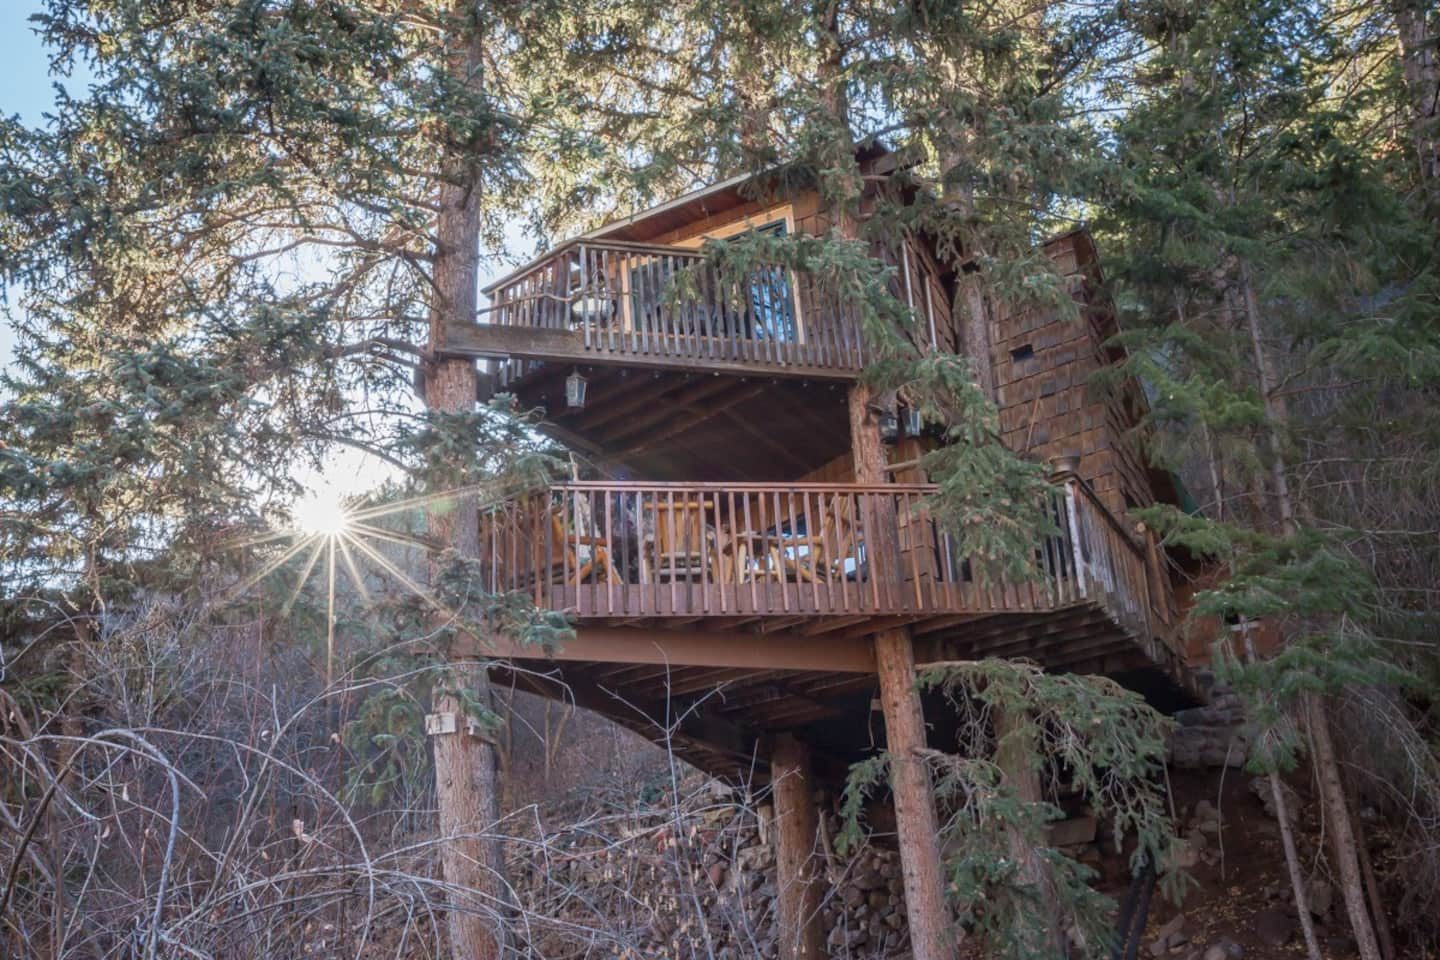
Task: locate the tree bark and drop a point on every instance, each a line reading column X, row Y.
column 799, row 874
column 1015, row 754
column 1342, row 834
column 1327, row 770
column 1420, row 67
column 915, row 822
column 466, row 782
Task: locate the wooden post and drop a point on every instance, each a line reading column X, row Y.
column 1015, row 749
column 798, row 872
column 466, row 781
column 915, row 821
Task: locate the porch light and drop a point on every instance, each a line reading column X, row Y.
column 913, row 422
column 575, row 390
column 889, row 427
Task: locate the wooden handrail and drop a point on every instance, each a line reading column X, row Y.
column 782, row 320
column 1084, row 487
column 710, row 487
column 624, row 246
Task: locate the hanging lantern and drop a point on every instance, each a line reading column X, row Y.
column 889, row 427
column 912, row 421
column 575, row 390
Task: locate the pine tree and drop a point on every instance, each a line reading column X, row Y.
column 1281, row 293
column 232, row 248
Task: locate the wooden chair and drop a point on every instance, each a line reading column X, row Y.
column 820, row 556
column 582, row 549
column 678, row 541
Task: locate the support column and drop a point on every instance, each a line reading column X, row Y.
column 472, row 860
column 932, row 932
column 799, row 876
column 1015, row 750
column 931, row 936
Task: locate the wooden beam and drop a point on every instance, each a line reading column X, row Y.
column 799, row 867
column 499, row 342
column 699, row 648
column 722, row 405
column 665, row 409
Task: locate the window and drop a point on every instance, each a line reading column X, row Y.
column 772, row 302
column 773, row 314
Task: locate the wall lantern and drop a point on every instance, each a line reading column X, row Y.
column 575, row 390
column 889, row 427
column 914, row 424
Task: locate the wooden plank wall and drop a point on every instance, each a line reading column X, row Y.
column 1047, row 409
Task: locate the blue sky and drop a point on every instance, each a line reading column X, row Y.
column 28, row 90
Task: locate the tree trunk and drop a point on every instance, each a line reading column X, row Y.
column 799, row 876
column 915, row 822
column 466, row 784
column 1015, row 755
column 1420, row 66
column 1372, row 886
column 1342, row 835
column 1327, row 770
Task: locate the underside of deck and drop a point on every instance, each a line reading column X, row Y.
column 717, row 690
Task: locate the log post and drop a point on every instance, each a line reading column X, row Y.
column 798, row 870
column 915, row 822
column 466, row 780
column 1015, row 755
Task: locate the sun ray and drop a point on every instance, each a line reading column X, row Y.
column 272, row 566
column 383, row 509
column 400, row 575
column 343, row 541
column 330, row 613
column 391, row 536
column 304, row 576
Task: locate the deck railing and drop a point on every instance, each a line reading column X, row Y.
column 623, row 299
column 603, row 549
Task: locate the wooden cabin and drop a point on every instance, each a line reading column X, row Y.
column 728, row 569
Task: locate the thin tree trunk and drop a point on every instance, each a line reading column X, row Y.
column 466, row 782
column 1342, row 836
column 1015, row 751
column 1287, row 841
column 1287, row 520
column 1372, row 887
column 1420, row 67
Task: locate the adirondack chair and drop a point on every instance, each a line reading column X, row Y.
column 577, row 546
column 822, row 555
column 678, row 540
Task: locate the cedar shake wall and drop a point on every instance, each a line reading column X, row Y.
column 1047, row 408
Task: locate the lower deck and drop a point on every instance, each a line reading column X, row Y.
column 710, row 617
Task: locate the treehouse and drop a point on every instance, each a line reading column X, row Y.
column 754, row 553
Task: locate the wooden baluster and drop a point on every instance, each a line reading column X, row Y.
column 658, row 343
column 750, row 550
column 865, row 574
column 709, row 308
column 844, row 553
column 781, row 550
column 609, row 549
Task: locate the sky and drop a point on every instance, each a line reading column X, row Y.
column 28, row 89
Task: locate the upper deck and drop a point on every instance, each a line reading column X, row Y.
column 610, row 302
